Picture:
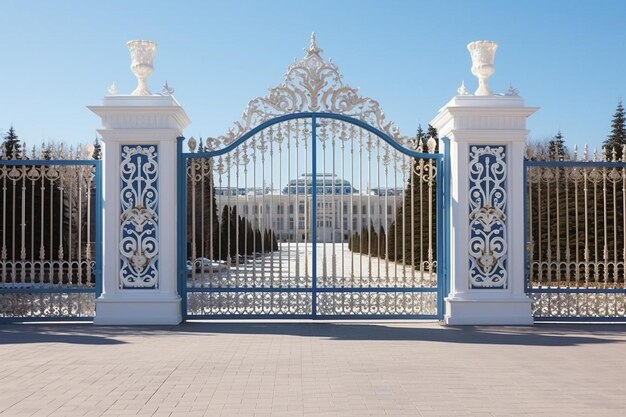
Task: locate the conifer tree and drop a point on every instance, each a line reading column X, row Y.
column 407, row 238
column 420, row 137
column 224, row 225
column 364, row 241
column 46, row 152
column 12, row 148
column 617, row 138
column 374, row 245
column 408, row 242
column 97, row 149
column 258, row 241
column 204, row 201
column 382, row 242
column 557, row 151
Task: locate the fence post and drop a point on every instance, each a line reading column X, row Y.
column 139, row 134
column 487, row 135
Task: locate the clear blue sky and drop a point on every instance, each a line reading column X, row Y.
column 567, row 57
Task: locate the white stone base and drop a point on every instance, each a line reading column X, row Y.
column 137, row 309
column 488, row 311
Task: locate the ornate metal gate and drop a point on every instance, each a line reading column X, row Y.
column 575, row 232
column 50, row 235
column 314, row 205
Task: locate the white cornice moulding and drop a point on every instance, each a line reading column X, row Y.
column 485, row 101
column 141, row 112
column 492, row 117
column 143, row 135
column 487, row 136
column 139, row 101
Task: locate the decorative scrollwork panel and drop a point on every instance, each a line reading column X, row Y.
column 248, row 303
column 580, row 305
column 46, row 305
column 139, row 225
column 377, row 303
column 311, row 85
column 487, row 216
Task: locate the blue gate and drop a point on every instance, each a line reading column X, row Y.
column 50, row 237
column 311, row 215
column 312, row 206
column 575, row 232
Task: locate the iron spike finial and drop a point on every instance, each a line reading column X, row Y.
column 313, row 48
column 431, row 145
column 530, row 152
column 191, row 144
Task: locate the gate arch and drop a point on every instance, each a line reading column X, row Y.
column 312, row 245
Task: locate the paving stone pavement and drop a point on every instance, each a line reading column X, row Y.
column 312, row 369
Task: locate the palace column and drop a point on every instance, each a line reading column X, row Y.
column 487, row 135
column 139, row 134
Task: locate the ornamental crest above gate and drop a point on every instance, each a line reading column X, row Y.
column 310, row 85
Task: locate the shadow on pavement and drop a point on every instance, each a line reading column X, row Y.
column 539, row 335
column 77, row 334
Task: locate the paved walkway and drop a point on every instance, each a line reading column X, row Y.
column 312, row 369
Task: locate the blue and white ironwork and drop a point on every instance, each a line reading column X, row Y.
column 50, row 234
column 270, row 211
column 310, row 85
column 139, row 219
column 312, row 267
column 487, row 216
column 575, row 235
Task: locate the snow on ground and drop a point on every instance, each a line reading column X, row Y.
column 292, row 266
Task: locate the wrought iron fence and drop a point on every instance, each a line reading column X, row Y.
column 575, row 233
column 50, row 241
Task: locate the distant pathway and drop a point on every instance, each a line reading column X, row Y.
column 291, row 266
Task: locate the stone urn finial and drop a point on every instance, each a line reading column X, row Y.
column 141, row 56
column 482, row 53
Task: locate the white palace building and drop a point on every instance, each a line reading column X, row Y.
column 341, row 208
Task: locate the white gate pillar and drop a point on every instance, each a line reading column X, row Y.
column 139, row 134
column 487, row 140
